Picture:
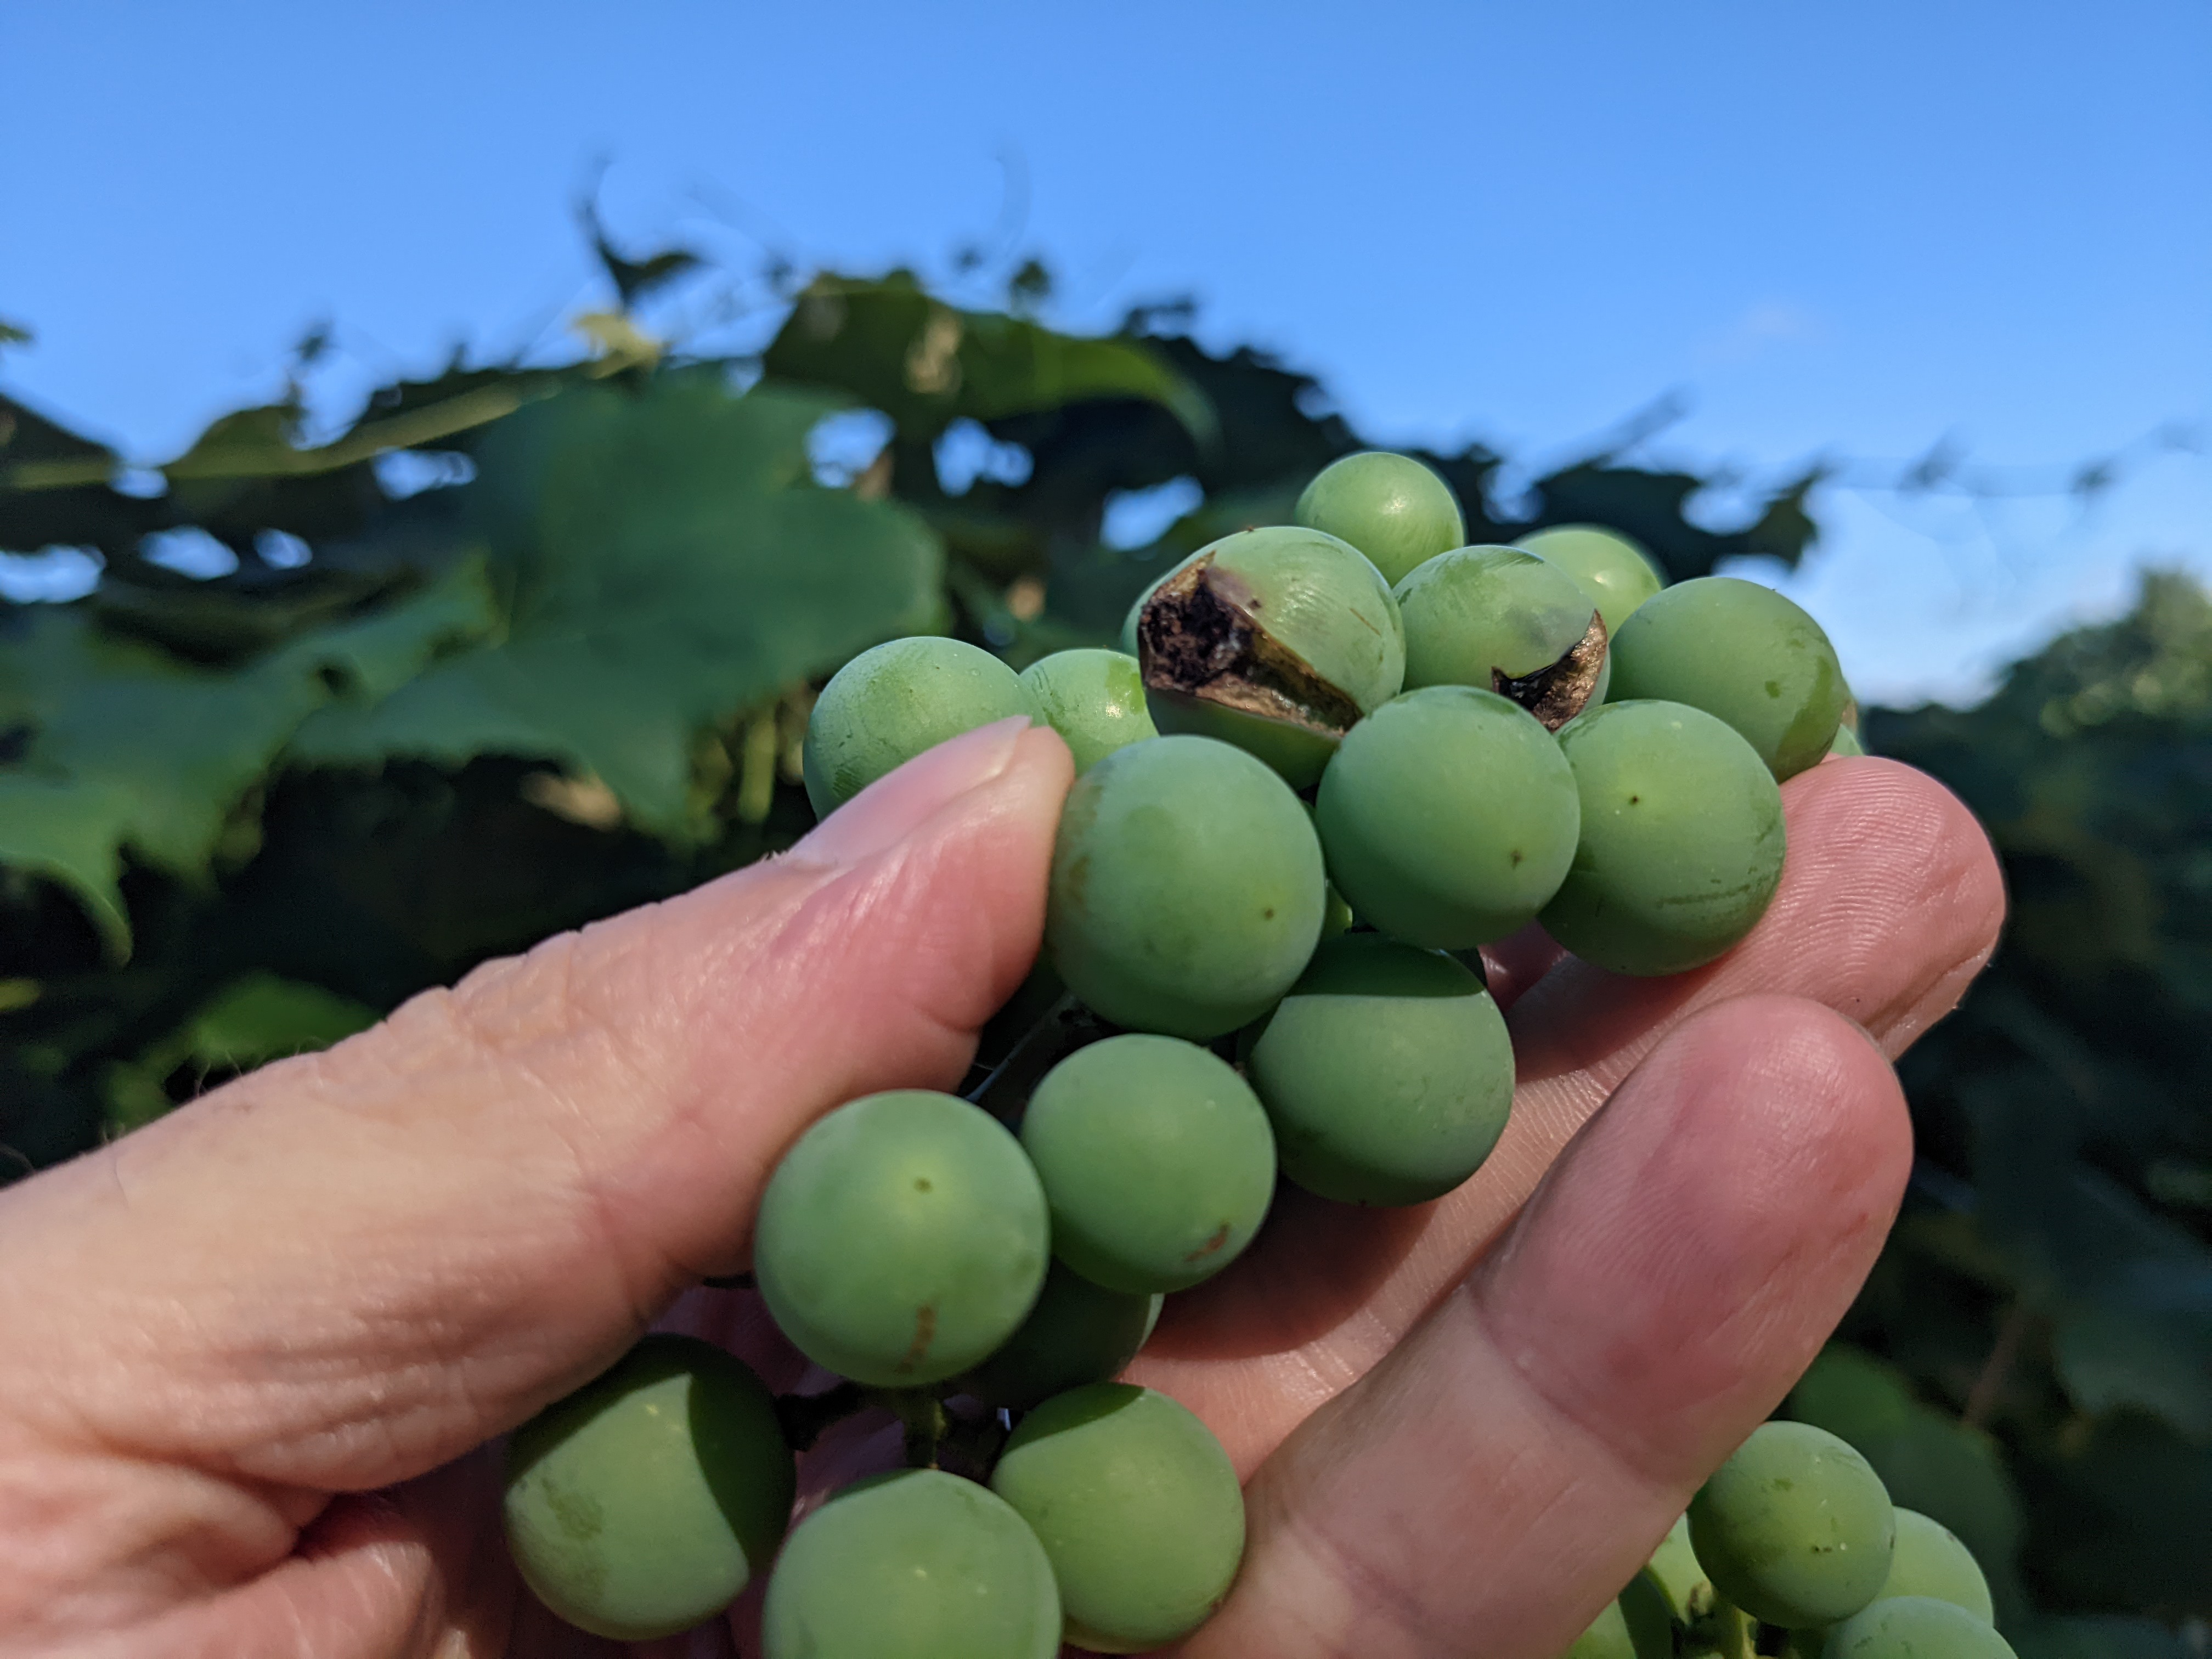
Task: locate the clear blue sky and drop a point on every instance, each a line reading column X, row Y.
column 1855, row 228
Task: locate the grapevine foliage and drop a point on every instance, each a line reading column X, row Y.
column 241, row 815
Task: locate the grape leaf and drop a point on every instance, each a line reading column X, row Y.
column 672, row 563
column 118, row 743
column 926, row 364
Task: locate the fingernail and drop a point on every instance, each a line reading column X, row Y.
column 890, row 808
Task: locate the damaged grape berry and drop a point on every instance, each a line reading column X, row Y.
column 1278, row 641
column 1333, row 761
column 1505, row 621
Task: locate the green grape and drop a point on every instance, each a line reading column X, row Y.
column 1930, row 1560
column 1094, row 699
column 902, row 1239
column 1156, row 1162
column 1503, row 621
column 1187, row 890
column 1796, row 1528
column 1847, row 743
column 1336, row 915
column 1650, row 1619
column 1389, row 506
column 1449, row 818
column 916, row 1564
column 890, row 704
column 1674, row 1572
column 1742, row 652
column 1681, row 839
column 1607, row 1636
column 1078, row 1333
column 1276, row 640
column 643, row 1504
column 1616, row 574
column 1386, row 1072
column 1914, row 1627
column 1138, row 1507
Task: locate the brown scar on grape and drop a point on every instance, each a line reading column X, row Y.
column 1558, row 692
column 1200, row 636
column 925, row 1332
column 1220, row 1238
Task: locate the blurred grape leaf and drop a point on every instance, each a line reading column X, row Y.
column 118, row 743
column 894, row 347
column 253, row 1020
column 2095, row 1638
column 672, row 563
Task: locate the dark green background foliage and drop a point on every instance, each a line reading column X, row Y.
column 244, row 816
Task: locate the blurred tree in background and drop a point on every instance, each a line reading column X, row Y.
column 526, row 646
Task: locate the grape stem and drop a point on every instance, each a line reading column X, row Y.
column 923, row 1415
column 1726, row 1632
column 1066, row 1026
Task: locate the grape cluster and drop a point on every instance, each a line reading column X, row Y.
column 1334, row 759
column 1794, row 1547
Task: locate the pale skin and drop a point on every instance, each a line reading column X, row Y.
column 251, row 1356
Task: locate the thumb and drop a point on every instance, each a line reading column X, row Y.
column 345, row 1269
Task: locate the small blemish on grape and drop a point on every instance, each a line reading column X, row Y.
column 1220, row 1238
column 921, row 1184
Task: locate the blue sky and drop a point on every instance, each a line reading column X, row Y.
column 1855, row 229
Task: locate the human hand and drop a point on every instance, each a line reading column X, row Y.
column 254, row 1351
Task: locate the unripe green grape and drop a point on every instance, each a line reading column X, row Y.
column 1276, row 640
column 1847, row 743
column 1681, row 842
column 1607, row 1636
column 1616, row 574
column 1650, row 1619
column 903, row 1239
column 1187, row 889
column 1157, row 1161
column 916, row 1564
column 1674, row 1570
column 1931, row 1560
column 1916, row 1627
column 1795, row 1528
column 643, row 1504
column 1386, row 1072
column 1742, row 652
column 890, row 704
column 1336, row 915
column 1094, row 699
column 1078, row 1333
column 1503, row 621
column 1391, row 507
column 1449, row 818
column 1634, row 1626
column 1138, row 1507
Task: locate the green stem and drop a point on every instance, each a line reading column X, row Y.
column 1726, row 1632
column 923, row 1414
